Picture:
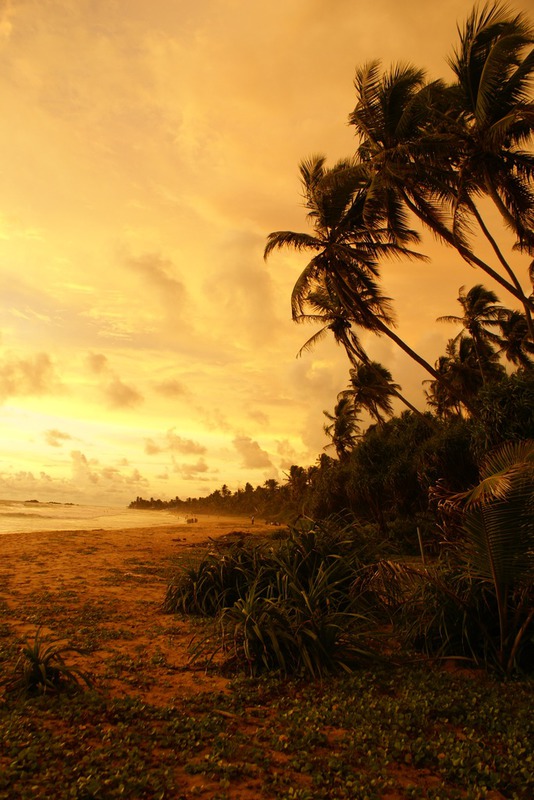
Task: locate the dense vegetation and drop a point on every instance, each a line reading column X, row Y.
column 454, row 484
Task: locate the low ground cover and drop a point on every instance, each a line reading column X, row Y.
column 156, row 726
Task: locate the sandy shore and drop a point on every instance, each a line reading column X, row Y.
column 102, row 590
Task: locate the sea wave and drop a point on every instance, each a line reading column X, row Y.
column 30, row 516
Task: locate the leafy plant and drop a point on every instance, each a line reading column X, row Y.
column 303, row 605
column 477, row 602
column 41, row 668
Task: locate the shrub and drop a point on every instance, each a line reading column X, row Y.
column 42, row 669
column 302, row 606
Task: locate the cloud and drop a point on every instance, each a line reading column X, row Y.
column 177, row 443
column 173, row 443
column 157, row 273
column 252, row 456
column 171, row 388
column 28, row 376
column 191, row 471
column 259, row 417
column 151, row 448
column 88, row 472
column 97, row 363
column 56, row 438
column 6, row 26
column 120, row 395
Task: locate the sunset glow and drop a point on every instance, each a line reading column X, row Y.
column 146, row 151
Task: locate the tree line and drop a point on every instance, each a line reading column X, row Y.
column 434, row 155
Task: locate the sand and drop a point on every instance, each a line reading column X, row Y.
column 102, row 591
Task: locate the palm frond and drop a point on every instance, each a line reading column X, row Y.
column 298, row 241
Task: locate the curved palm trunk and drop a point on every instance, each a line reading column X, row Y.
column 496, row 249
column 349, row 298
column 397, row 394
column 464, row 251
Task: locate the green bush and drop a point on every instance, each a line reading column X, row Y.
column 301, row 606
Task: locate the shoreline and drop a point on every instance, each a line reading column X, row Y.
column 119, row 522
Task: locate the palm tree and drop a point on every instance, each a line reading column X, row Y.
column 514, row 341
column 462, row 367
column 480, row 310
column 343, row 429
column 493, row 123
column 323, row 306
column 371, row 387
column 493, row 97
column 346, row 249
column 412, row 137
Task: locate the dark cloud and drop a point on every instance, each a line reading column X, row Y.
column 252, row 456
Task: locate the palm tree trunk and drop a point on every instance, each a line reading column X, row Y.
column 464, row 251
column 349, row 298
column 355, row 357
column 496, row 249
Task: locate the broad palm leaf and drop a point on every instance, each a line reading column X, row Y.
column 514, row 339
column 494, row 66
column 499, row 530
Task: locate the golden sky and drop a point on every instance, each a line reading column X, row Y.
column 146, row 151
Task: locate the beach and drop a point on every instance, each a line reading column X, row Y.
column 102, row 590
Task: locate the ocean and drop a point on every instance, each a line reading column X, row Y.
column 25, row 517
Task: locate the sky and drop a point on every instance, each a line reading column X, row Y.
column 147, row 149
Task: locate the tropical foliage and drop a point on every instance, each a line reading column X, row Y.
column 451, row 157
column 301, row 606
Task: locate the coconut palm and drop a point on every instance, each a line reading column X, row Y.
column 461, row 367
column 412, row 138
column 343, row 429
column 371, row 387
column 494, row 120
column 514, row 339
column 494, row 67
column 346, row 250
column 480, row 310
column 322, row 306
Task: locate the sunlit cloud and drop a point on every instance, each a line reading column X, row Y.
column 172, row 442
column 120, row 395
column 191, row 471
column 56, row 438
column 252, row 456
column 35, row 375
column 97, row 363
column 171, row 388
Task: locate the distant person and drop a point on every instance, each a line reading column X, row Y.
column 252, row 520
